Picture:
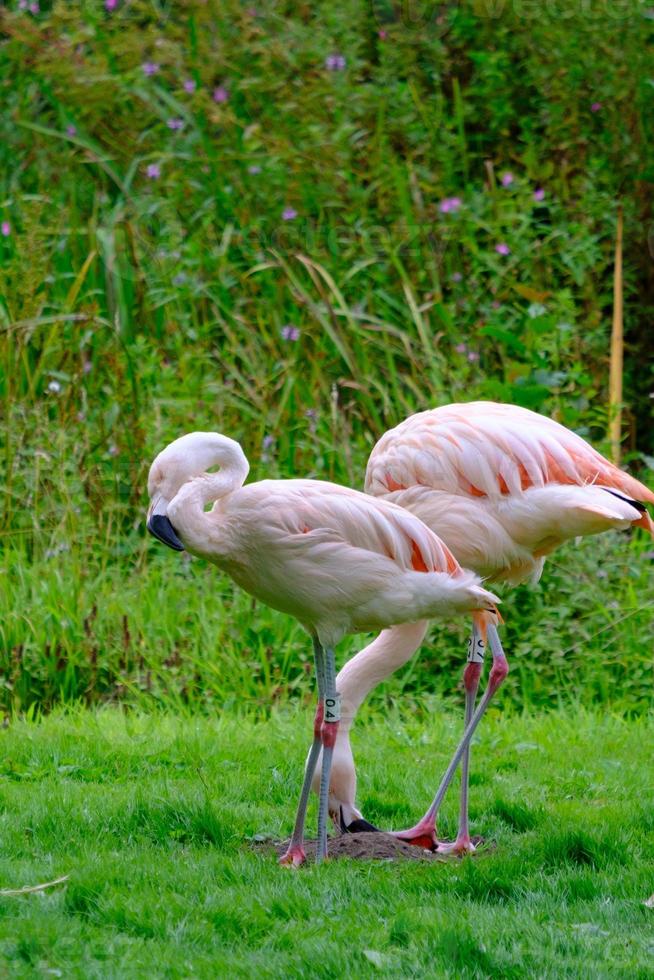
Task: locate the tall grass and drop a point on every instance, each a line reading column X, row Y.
column 147, row 273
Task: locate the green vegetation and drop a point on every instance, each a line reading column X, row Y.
column 151, row 624
column 283, row 223
column 150, row 817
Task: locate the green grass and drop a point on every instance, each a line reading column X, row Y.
column 151, row 815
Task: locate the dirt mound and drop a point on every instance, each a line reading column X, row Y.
column 364, row 847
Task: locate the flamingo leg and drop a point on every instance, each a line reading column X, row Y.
column 425, row 829
column 328, row 734
column 295, row 855
column 471, row 677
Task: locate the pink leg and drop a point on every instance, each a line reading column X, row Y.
column 426, row 837
column 325, row 730
column 471, row 676
column 425, row 829
column 295, row 855
column 463, row 844
column 328, row 734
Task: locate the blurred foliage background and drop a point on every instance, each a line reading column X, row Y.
column 298, row 223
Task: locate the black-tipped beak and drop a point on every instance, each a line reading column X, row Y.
column 358, row 826
column 361, row 827
column 163, row 530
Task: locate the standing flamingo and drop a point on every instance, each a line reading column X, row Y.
column 336, row 559
column 503, row 487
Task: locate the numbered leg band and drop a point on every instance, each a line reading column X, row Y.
column 476, row 650
column 333, row 708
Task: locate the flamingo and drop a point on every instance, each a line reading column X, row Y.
column 338, row 560
column 503, row 487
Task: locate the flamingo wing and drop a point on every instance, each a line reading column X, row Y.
column 484, row 449
column 329, row 513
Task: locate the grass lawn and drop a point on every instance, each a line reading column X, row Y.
column 151, row 817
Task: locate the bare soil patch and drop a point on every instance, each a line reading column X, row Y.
column 364, row 847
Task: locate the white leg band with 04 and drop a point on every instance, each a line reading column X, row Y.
column 333, row 708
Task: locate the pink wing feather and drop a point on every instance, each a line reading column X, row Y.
column 318, row 509
column 485, row 449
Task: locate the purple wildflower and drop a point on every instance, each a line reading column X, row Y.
column 71, row 130
column 382, row 35
column 502, row 249
column 190, row 85
column 110, row 4
column 149, row 68
column 473, row 356
column 22, row 4
column 220, row 94
column 180, row 279
column 267, row 446
column 175, row 124
column 254, row 168
column 288, row 214
column 335, row 62
column 34, row 8
column 153, row 171
column 5, row 229
column 289, row 332
column 507, row 179
column 460, row 348
column 539, row 194
column 595, row 106
column 456, row 277
column 450, row 205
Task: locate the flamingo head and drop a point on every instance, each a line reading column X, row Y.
column 186, row 458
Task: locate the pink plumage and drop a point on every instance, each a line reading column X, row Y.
column 336, row 559
column 502, row 487
column 486, row 449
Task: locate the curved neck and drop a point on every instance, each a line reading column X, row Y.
column 187, row 508
column 208, row 487
column 387, row 652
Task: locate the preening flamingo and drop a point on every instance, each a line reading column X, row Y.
column 503, row 487
column 336, row 559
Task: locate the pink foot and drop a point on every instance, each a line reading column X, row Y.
column 461, row 846
column 294, row 856
column 422, row 835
